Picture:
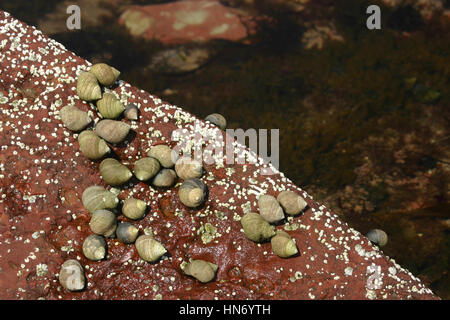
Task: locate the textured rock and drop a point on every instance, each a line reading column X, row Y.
column 43, row 222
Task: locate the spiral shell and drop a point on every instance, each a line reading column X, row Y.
column 88, row 88
column 114, row 173
column 134, row 208
column 74, row 119
column 378, row 237
column 94, row 247
column 256, row 228
column 163, row 154
column 217, row 119
column 131, row 112
column 103, row 222
column 104, row 73
column 71, row 275
column 109, row 106
column 112, row 131
column 165, row 178
column 149, row 249
column 146, row 168
column 92, row 146
column 270, row 209
column 201, row 270
column 126, row 232
column 192, row 192
column 187, row 168
column 97, row 197
column 291, row 202
column 283, row 245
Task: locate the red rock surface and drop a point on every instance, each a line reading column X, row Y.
column 43, row 222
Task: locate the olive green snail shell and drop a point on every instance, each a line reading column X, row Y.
column 88, row 88
column 127, row 232
column 164, row 178
column 291, row 202
column 92, row 146
column 192, row 192
column 74, row 119
column 109, row 106
column 71, row 276
column 378, row 237
column 201, row 270
column 112, row 131
column 187, row 168
column 103, row 222
column 134, row 208
column 217, row 119
column 283, row 245
column 163, row 154
column 105, row 74
column 149, row 249
column 146, row 168
column 270, row 209
column 94, row 247
column 256, row 228
column 114, row 173
column 96, row 197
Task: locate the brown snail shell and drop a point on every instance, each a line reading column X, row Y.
column 88, row 88
column 187, row 168
column 112, row 131
column 94, row 247
column 165, row 178
column 103, row 222
column 283, row 245
column 192, row 192
column 201, row 270
column 217, row 119
column 104, row 73
column 71, row 275
column 92, row 146
column 109, row 106
column 131, row 112
column 134, row 208
column 378, row 237
column 97, row 197
column 74, row 119
column 114, row 173
column 163, row 154
column 291, row 202
column 149, row 249
column 126, row 232
column 270, row 209
column 146, row 168
column 256, row 228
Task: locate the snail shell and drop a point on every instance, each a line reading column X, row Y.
column 217, row 119
column 149, row 249
column 131, row 112
column 94, row 247
column 270, row 209
column 71, row 275
column 126, row 232
column 74, row 119
column 109, row 106
column 201, row 270
column 192, row 192
column 104, row 73
column 378, row 237
column 88, row 88
column 187, row 168
column 146, row 168
column 114, row 173
column 165, row 178
column 92, row 146
column 256, row 228
column 112, row 131
column 291, row 202
column 163, row 154
column 97, row 197
column 134, row 208
column 283, row 245
column 103, row 222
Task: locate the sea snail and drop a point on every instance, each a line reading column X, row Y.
column 146, row 168
column 131, row 112
column 270, row 209
column 71, row 275
column 149, row 249
column 92, row 146
column 134, row 208
column 114, row 173
column 74, row 119
column 88, row 88
column 192, row 192
column 112, row 131
column 109, row 106
column 201, row 270
column 283, row 245
column 187, row 168
column 97, row 197
column 217, row 119
column 378, row 237
column 291, row 202
column 104, row 73
column 256, row 228
column 126, row 232
column 163, row 154
column 103, row 222
column 164, row 178
column 94, row 247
